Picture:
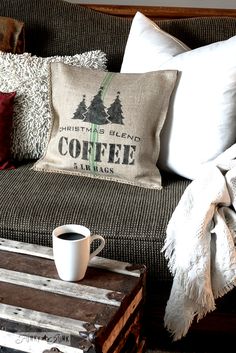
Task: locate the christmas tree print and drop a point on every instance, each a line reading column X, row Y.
column 115, row 111
column 96, row 113
column 79, row 113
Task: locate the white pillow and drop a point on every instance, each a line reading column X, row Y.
column 28, row 76
column 148, row 46
column 201, row 121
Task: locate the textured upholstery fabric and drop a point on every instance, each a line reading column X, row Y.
column 33, row 203
column 63, row 35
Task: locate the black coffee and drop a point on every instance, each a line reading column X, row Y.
column 71, row 236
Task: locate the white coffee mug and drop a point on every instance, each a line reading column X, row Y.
column 71, row 250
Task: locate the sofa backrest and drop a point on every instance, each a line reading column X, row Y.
column 56, row 27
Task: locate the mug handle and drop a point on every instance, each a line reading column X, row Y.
column 101, row 246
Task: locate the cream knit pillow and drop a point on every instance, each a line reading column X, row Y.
column 28, row 76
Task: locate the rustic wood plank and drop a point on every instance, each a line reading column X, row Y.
column 142, row 347
column 95, row 277
column 122, row 321
column 26, row 248
column 134, row 330
column 44, row 320
column 58, row 305
column 38, row 333
column 46, row 252
column 124, row 268
column 161, row 12
column 70, row 289
column 25, row 344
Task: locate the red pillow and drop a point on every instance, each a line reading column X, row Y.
column 6, row 112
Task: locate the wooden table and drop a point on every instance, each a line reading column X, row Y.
column 41, row 313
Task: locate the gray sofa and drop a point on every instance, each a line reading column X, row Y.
column 133, row 220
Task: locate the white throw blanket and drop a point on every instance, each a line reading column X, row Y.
column 200, row 244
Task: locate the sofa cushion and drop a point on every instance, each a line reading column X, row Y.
column 132, row 219
column 107, row 125
column 28, row 75
column 201, row 122
column 6, row 112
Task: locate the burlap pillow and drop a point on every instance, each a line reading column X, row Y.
column 107, row 125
